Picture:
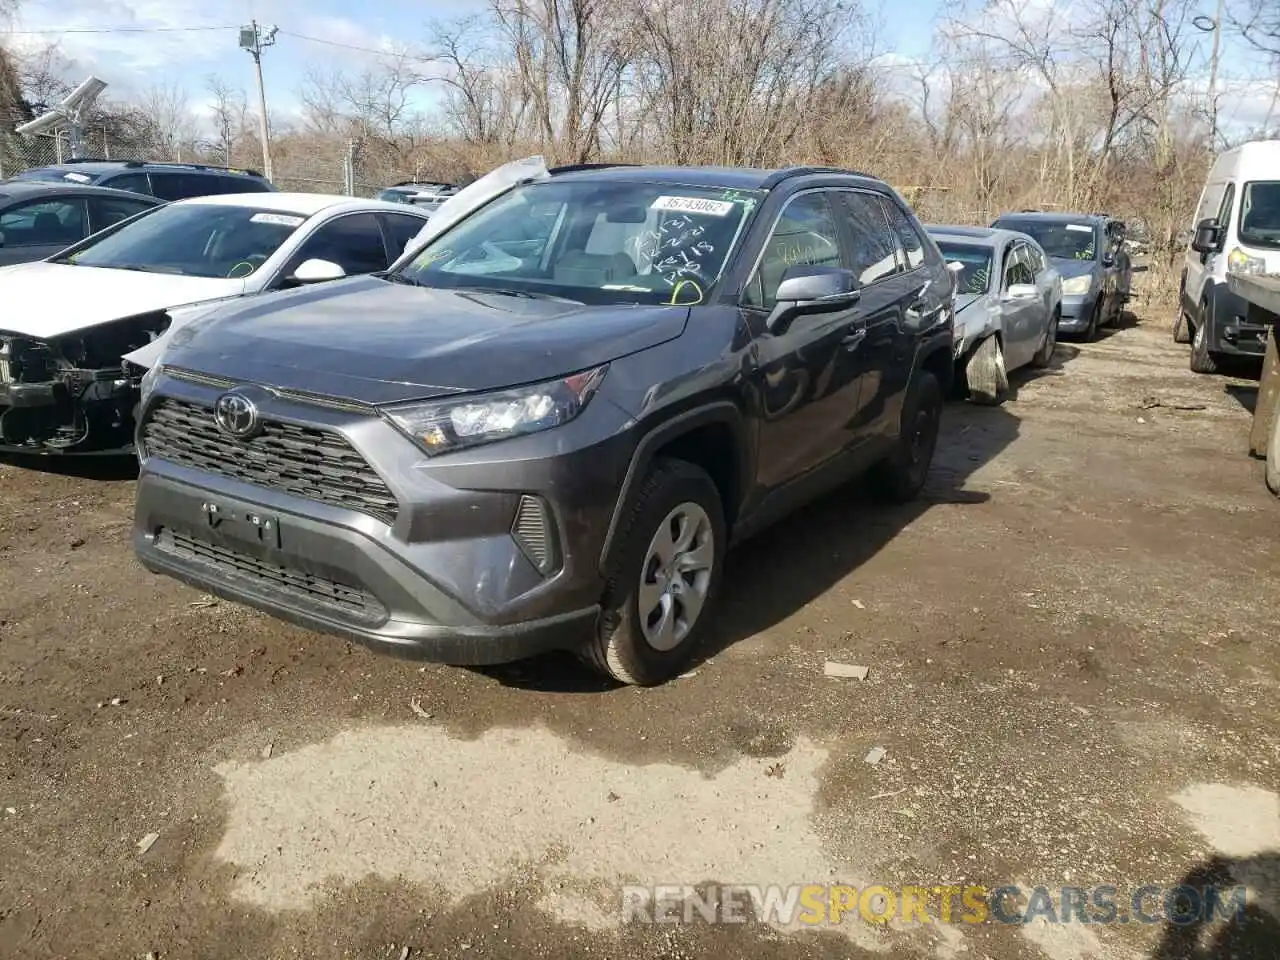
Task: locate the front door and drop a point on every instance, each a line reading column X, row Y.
column 1022, row 318
column 802, row 389
column 41, row 228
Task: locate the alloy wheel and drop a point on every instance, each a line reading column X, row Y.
column 676, row 576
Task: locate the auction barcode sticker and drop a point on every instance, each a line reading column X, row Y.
column 1079, row 228
column 279, row 219
column 715, row 208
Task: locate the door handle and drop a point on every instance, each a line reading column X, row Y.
column 851, row 340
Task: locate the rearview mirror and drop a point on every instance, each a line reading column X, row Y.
column 1208, row 237
column 317, row 271
column 811, row 289
column 1022, row 291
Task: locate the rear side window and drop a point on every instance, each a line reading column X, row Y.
column 908, row 236
column 133, row 182
column 104, row 211
column 240, row 185
column 874, row 252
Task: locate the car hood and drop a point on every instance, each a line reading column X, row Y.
column 48, row 299
column 1070, row 267
column 372, row 341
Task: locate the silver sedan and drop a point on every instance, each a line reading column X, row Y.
column 1008, row 304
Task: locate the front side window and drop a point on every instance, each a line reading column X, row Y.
column 592, row 241
column 1224, row 209
column 133, row 182
column 195, row 240
column 353, row 242
column 1260, row 214
column 1063, row 240
column 43, row 223
column 400, row 231
column 106, row 211
column 806, row 233
column 1016, row 268
column 975, row 278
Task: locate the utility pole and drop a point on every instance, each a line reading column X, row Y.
column 254, row 38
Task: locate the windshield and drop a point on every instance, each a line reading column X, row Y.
column 1260, row 214
column 53, row 175
column 592, row 241
column 1065, row 241
column 976, row 275
column 194, row 240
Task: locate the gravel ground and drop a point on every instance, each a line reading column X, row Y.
column 1073, row 674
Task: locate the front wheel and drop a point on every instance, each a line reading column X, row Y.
column 985, row 372
column 1202, row 361
column 663, row 577
column 1273, row 458
column 1181, row 328
column 1095, row 321
column 901, row 476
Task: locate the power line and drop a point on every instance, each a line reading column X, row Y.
column 61, row 30
column 356, row 47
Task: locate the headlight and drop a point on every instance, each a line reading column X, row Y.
column 440, row 426
column 1073, row 286
column 1240, row 262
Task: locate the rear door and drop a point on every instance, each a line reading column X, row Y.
column 40, row 228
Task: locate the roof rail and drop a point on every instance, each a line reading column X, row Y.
column 575, row 167
column 785, row 173
column 134, row 164
column 81, row 160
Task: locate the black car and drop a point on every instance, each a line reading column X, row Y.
column 1088, row 250
column 544, row 428
column 39, row 219
column 168, row 181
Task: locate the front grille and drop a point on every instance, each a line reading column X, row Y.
column 349, row 600
column 306, row 462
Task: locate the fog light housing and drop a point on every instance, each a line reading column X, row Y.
column 535, row 533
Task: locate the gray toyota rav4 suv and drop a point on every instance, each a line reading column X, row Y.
column 543, row 428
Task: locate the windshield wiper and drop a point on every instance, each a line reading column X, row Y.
column 399, row 278
column 510, row 292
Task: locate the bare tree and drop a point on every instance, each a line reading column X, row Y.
column 168, row 112
column 486, row 103
column 230, row 115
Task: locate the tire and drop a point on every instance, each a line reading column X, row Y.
column 902, row 475
column 1273, row 458
column 1044, row 356
column 985, row 373
column 1095, row 320
column 622, row 647
column 1181, row 328
column 1202, row 361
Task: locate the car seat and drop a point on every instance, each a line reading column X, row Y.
column 577, row 268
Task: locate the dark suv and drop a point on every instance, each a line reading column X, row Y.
column 166, row 181
column 543, row 428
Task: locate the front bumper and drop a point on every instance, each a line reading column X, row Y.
column 1076, row 311
column 35, row 413
column 445, row 580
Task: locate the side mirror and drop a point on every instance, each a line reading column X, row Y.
column 809, row 289
column 1108, row 260
column 1138, row 268
column 1208, row 237
column 1022, row 291
column 317, row 271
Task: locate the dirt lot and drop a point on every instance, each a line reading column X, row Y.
column 1072, row 643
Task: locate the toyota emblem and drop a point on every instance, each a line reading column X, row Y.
column 235, row 414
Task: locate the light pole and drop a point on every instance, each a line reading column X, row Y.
column 254, row 38
column 1212, row 25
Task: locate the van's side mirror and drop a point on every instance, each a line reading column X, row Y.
column 317, row 271
column 1208, row 237
column 811, row 289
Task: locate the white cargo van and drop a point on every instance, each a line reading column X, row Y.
column 1236, row 230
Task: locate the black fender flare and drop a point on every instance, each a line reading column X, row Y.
column 718, row 412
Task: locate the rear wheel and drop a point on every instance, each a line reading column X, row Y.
column 985, row 372
column 1044, row 356
column 901, row 476
column 1202, row 361
column 663, row 578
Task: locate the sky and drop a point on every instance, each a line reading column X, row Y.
column 136, row 44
